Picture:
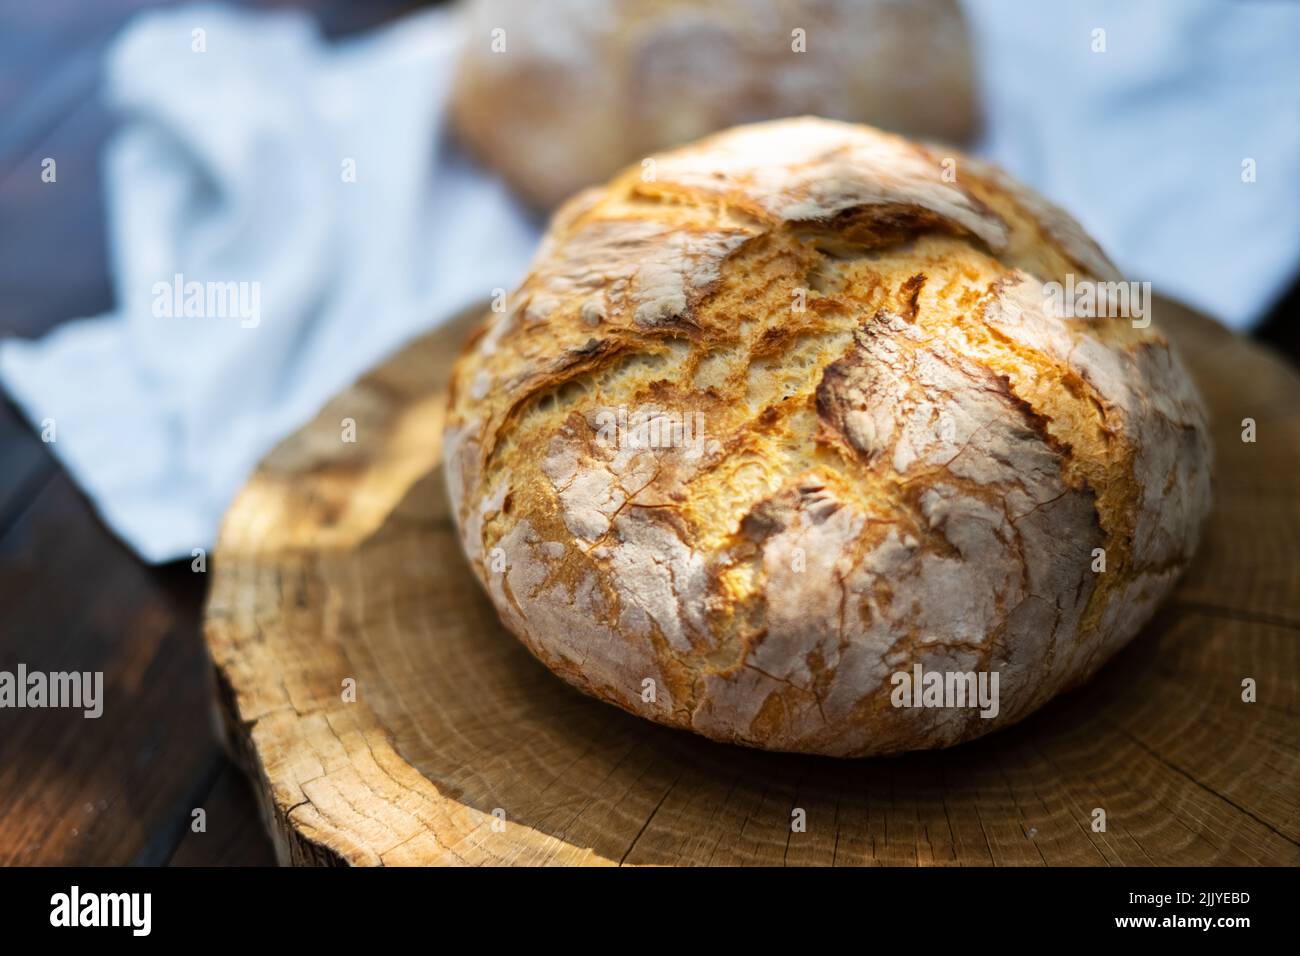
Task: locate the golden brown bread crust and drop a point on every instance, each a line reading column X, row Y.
column 907, row 456
column 584, row 87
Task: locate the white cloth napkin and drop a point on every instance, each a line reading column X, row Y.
column 230, row 168
column 1144, row 142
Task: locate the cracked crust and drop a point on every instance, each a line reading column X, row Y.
column 583, row 87
column 906, row 457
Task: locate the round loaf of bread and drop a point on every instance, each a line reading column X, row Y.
column 561, row 94
column 795, row 418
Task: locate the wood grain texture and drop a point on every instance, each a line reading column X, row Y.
column 339, row 561
column 119, row 789
column 116, row 789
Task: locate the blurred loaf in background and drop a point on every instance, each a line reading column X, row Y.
column 559, row 95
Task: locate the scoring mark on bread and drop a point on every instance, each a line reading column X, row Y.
column 911, row 459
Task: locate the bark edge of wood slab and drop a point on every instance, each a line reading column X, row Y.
column 338, row 561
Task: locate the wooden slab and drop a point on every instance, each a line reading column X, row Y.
column 338, row 561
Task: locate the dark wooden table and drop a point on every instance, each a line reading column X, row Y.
column 121, row 789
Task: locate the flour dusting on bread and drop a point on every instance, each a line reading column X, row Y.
column 900, row 453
